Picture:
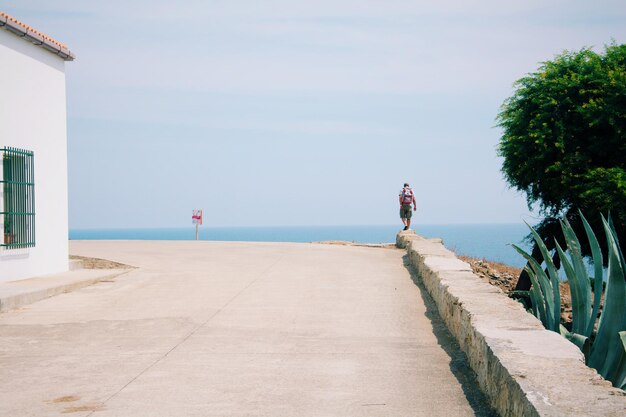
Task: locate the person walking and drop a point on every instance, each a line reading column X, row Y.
column 407, row 198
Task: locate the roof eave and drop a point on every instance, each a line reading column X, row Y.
column 35, row 38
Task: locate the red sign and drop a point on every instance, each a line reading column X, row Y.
column 196, row 217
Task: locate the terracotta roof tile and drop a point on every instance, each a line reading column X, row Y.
column 23, row 30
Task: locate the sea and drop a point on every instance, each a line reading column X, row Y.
column 489, row 241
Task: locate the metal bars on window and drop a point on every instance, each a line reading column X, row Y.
column 18, row 198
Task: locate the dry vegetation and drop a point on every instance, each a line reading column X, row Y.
column 505, row 277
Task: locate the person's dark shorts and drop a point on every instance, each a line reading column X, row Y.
column 406, row 211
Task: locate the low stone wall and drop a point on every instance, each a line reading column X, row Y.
column 524, row 369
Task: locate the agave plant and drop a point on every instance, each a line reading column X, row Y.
column 604, row 345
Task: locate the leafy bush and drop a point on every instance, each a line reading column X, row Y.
column 564, row 140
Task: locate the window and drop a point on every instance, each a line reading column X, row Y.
column 18, row 198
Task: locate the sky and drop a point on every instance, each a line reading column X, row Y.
column 282, row 112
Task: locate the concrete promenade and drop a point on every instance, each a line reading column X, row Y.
column 236, row 329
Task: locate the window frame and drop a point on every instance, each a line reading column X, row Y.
column 18, row 198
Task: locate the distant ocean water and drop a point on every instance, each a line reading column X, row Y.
column 490, row 241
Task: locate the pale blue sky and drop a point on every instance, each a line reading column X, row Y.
column 282, row 112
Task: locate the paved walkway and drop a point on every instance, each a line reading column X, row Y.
column 235, row 329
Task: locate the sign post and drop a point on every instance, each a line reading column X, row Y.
column 196, row 218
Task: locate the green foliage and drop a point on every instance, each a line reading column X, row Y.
column 607, row 349
column 604, row 349
column 564, row 139
column 547, row 292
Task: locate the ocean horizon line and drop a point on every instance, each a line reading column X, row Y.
column 490, row 241
column 416, row 225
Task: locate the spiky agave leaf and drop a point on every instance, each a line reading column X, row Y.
column 619, row 248
column 578, row 323
column 582, row 278
column 605, row 352
column 583, row 342
column 597, row 272
column 536, row 299
column 548, row 295
column 536, row 290
column 619, row 373
column 554, row 277
column 546, row 292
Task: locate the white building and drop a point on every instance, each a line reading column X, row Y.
column 33, row 152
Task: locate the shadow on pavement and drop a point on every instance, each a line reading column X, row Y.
column 458, row 360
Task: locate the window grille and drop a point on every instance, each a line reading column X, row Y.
column 18, row 198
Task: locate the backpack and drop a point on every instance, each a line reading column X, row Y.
column 407, row 196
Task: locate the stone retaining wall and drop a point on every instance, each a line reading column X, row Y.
column 524, row 369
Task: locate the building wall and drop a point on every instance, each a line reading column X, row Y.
column 33, row 117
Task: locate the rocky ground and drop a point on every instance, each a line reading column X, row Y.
column 501, row 275
column 505, row 277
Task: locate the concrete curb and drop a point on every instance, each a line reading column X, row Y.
column 524, row 369
column 15, row 294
